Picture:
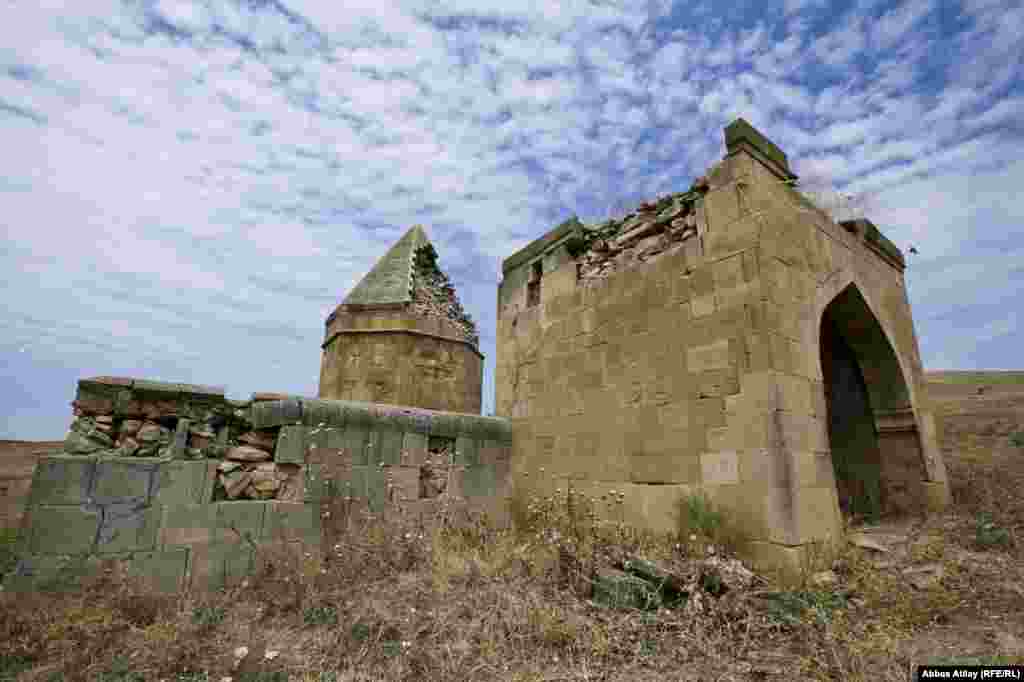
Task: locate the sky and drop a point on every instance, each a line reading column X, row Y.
column 190, row 187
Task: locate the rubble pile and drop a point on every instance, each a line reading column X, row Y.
column 434, row 295
column 154, row 426
column 655, row 228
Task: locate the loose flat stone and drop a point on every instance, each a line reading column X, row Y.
column 247, row 453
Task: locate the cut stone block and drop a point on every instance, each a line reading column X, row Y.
column 49, row 573
column 180, row 439
column 389, row 447
column 710, row 356
column 164, row 571
column 215, row 567
column 445, row 425
column 467, row 451
column 355, row 440
column 188, row 525
column 190, row 390
column 476, row 482
column 276, row 413
column 315, row 486
column 181, row 482
column 128, row 528
column 292, row 522
column 62, row 480
column 415, row 447
column 330, row 413
column 720, row 468
column 165, row 389
column 291, row 445
column 242, row 520
column 62, row 530
column 124, row 480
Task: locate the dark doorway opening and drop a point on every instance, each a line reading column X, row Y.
column 873, row 434
column 852, row 436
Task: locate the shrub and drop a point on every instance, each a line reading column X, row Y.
column 700, row 521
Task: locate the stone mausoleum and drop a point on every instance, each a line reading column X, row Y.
column 731, row 340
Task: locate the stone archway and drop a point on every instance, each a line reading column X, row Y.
column 873, row 435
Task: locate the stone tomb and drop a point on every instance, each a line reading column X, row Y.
column 731, row 340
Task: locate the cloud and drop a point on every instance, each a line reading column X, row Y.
column 190, row 185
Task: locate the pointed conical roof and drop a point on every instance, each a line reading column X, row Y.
column 390, row 280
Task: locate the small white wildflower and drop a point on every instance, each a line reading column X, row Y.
column 271, row 655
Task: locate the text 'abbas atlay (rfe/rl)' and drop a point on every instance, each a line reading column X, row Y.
column 970, row 672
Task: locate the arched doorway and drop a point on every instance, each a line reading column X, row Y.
column 876, row 451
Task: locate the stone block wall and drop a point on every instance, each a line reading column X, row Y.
column 677, row 350
column 181, row 485
column 395, row 357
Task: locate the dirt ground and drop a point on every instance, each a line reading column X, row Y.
column 17, row 461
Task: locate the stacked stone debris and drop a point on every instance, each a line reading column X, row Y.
column 655, row 229
column 121, row 417
column 434, row 295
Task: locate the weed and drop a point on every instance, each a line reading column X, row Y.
column 323, row 614
column 209, row 615
column 987, row 534
column 793, row 608
column 9, row 551
column 700, row 521
column 12, row 664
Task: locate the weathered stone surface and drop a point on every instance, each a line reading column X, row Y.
column 293, row 485
column 77, row 444
column 275, row 413
column 434, row 296
column 235, row 482
column 263, row 440
column 151, row 433
column 129, row 427
column 247, row 453
column 292, row 444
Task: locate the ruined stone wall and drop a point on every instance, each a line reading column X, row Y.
column 434, row 296
column 182, row 485
column 691, row 362
column 616, row 376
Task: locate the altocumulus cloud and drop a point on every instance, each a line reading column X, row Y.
column 191, row 186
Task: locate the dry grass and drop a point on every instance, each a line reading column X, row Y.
column 395, row 598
